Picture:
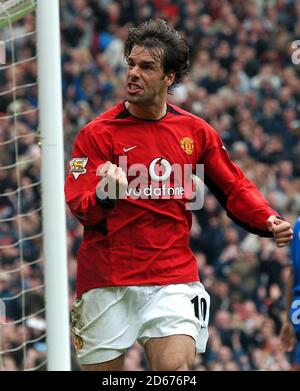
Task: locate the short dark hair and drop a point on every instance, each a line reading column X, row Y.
column 164, row 43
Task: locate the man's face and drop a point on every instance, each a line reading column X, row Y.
column 146, row 81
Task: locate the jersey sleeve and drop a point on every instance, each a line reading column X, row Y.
column 244, row 204
column 88, row 154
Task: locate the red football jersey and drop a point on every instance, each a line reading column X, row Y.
column 146, row 241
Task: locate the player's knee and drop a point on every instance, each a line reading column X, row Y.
column 167, row 363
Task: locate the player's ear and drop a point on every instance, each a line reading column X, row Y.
column 169, row 78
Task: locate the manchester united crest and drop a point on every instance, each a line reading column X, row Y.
column 188, row 145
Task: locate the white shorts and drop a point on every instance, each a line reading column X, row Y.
column 107, row 321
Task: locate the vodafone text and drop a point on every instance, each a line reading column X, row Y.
column 160, row 180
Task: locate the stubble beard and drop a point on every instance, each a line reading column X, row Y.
column 136, row 99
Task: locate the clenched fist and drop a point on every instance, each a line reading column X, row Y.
column 282, row 230
column 113, row 184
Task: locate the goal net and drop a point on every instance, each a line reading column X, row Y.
column 22, row 304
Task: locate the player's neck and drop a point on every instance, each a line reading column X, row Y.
column 151, row 112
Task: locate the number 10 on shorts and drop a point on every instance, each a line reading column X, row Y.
column 200, row 307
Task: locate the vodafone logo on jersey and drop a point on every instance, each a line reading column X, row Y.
column 167, row 168
column 161, row 180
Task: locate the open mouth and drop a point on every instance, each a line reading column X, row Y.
column 133, row 88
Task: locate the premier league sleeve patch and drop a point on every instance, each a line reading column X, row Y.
column 77, row 166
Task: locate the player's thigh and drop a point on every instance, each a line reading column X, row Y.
column 103, row 326
column 112, row 365
column 171, row 353
column 177, row 310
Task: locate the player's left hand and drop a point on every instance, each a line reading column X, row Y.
column 282, row 230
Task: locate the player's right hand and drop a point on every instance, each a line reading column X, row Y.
column 113, row 184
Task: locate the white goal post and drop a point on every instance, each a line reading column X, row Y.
column 50, row 124
column 53, row 201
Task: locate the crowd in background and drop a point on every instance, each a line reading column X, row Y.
column 243, row 81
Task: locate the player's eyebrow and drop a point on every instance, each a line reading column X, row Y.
column 143, row 62
column 149, row 62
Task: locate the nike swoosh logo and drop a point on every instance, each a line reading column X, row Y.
column 129, row 149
